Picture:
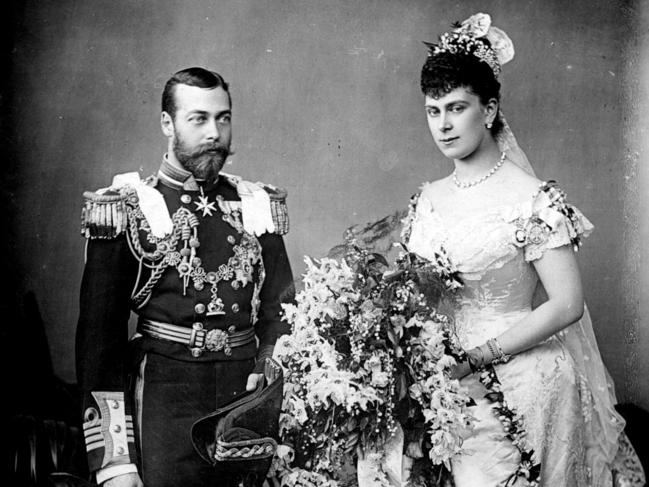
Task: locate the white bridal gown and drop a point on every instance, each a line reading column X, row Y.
column 560, row 386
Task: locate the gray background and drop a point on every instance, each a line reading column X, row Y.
column 327, row 104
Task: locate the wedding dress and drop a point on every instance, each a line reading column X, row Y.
column 560, row 386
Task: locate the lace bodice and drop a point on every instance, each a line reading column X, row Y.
column 494, row 248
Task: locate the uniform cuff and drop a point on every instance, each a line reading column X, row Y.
column 108, row 431
column 108, row 473
column 265, row 351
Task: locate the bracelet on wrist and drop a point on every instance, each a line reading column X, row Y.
column 497, row 353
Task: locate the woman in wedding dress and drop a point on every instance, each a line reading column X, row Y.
column 508, row 233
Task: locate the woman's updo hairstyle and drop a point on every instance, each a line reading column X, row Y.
column 445, row 71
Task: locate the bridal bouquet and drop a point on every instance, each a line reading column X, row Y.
column 368, row 361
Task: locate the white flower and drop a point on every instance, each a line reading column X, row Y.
column 373, row 364
column 380, row 379
column 477, row 25
column 501, row 44
column 298, row 409
column 446, row 362
column 414, row 321
column 416, row 391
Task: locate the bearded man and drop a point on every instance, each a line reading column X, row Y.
column 198, row 255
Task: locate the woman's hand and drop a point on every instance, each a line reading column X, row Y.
column 460, row 370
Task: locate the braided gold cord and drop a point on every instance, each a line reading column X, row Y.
column 223, row 453
column 157, row 272
column 146, row 290
column 135, row 238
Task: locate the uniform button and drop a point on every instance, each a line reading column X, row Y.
column 115, row 404
column 120, row 450
column 231, row 329
column 186, row 199
column 199, row 308
column 117, row 428
column 235, row 308
column 235, row 284
column 199, row 286
column 197, row 326
column 91, row 415
column 231, row 239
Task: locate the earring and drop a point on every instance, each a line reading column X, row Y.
column 488, row 124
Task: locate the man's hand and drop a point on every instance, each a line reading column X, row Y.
column 124, row 480
column 253, row 381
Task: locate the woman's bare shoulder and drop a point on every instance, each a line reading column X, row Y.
column 437, row 189
column 522, row 183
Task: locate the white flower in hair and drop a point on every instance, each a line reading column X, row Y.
column 501, row 44
column 477, row 25
column 468, row 37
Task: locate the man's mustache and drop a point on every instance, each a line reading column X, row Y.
column 213, row 149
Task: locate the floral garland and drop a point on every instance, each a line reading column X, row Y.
column 476, row 36
column 514, row 427
column 369, row 355
column 558, row 202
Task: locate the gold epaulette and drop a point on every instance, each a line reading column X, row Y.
column 103, row 215
column 278, row 208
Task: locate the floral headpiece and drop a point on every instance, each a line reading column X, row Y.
column 468, row 38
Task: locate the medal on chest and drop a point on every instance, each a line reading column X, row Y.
column 181, row 250
column 239, row 267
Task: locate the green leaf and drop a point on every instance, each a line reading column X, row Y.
column 402, row 386
column 393, row 338
column 364, row 422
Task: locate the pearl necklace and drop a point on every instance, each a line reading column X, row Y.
column 475, row 182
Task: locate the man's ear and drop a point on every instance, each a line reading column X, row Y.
column 167, row 124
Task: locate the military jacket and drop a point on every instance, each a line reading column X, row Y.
column 208, row 273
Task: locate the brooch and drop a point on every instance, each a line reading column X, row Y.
column 532, row 231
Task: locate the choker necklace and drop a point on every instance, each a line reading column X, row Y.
column 475, row 182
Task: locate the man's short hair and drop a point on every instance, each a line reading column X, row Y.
column 200, row 77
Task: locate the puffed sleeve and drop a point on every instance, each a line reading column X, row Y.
column 553, row 223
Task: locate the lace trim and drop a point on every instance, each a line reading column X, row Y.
column 627, row 469
column 553, row 223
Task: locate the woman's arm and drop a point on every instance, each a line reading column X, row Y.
column 560, row 277
column 559, row 274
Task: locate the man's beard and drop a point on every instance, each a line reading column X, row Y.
column 205, row 161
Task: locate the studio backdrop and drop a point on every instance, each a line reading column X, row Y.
column 326, row 104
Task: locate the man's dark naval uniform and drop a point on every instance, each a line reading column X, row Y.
column 208, row 296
